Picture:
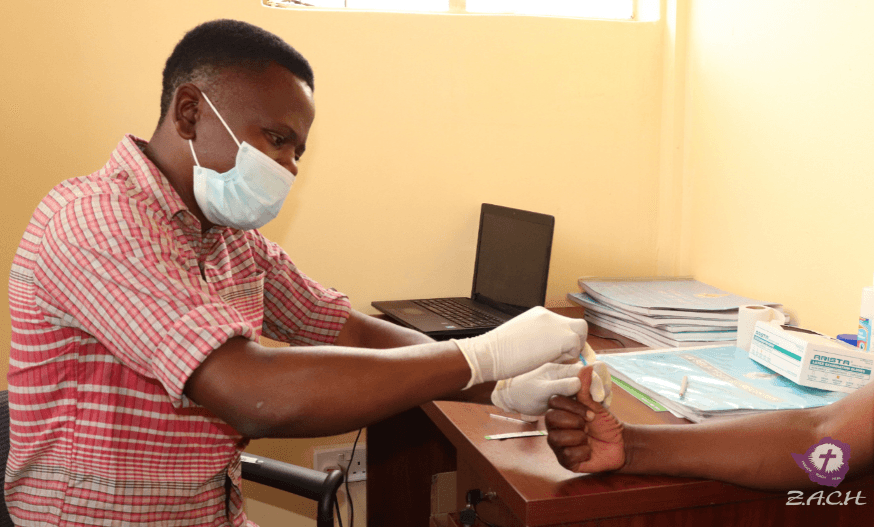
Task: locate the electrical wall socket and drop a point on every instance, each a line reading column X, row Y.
column 325, row 459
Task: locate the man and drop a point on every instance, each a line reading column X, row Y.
column 752, row 451
column 139, row 293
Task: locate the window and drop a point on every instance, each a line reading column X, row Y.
column 567, row 8
column 612, row 9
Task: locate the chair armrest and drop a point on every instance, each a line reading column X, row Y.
column 312, row 484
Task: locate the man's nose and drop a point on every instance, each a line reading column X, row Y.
column 290, row 164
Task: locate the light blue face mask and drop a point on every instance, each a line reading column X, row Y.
column 246, row 196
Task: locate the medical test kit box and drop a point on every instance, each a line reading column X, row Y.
column 810, row 359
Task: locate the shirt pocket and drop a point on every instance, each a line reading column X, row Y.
column 247, row 297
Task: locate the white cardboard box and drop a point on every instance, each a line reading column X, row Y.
column 811, row 359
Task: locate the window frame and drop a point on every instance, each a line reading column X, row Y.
column 641, row 10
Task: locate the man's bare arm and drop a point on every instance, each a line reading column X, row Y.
column 364, row 331
column 752, row 451
column 325, row 390
column 321, row 390
column 755, row 451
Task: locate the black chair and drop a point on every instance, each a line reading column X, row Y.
column 311, row 484
column 5, row 520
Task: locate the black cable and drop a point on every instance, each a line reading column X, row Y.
column 473, row 498
column 339, row 516
column 348, row 468
column 480, row 518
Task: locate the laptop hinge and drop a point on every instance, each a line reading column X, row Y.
column 509, row 309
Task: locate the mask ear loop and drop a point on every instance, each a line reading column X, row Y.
column 228, row 128
column 191, row 145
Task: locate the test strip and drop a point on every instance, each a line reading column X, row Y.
column 512, row 435
column 512, row 419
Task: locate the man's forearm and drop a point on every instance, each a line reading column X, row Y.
column 479, row 393
column 371, row 332
column 364, row 331
column 749, row 451
column 754, row 451
column 321, row 390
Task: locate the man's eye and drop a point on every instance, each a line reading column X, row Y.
column 277, row 140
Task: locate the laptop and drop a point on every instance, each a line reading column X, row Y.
column 509, row 277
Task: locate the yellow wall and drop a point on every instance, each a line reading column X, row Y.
column 419, row 120
column 779, row 134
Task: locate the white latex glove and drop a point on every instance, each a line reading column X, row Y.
column 522, row 344
column 602, row 384
column 529, row 393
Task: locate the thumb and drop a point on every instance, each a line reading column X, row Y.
column 596, row 390
column 602, row 372
column 589, row 354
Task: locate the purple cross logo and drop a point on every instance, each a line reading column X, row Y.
column 826, row 462
column 827, row 456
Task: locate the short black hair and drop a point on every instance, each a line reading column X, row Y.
column 219, row 44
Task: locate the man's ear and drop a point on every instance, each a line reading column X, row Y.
column 186, row 110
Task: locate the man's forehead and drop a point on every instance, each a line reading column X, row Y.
column 260, row 77
column 271, row 89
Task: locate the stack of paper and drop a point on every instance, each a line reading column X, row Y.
column 722, row 381
column 678, row 312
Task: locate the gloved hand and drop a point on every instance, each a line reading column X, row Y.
column 522, row 344
column 529, row 393
column 601, row 389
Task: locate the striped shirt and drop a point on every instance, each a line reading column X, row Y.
column 116, row 296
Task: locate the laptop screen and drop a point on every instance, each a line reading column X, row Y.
column 512, row 259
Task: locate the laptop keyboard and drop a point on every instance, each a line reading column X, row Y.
column 458, row 313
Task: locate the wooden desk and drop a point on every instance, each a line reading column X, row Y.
column 534, row 490
column 406, row 450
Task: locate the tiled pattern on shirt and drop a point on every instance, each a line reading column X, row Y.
column 116, row 297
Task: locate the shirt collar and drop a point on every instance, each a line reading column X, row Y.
column 145, row 175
